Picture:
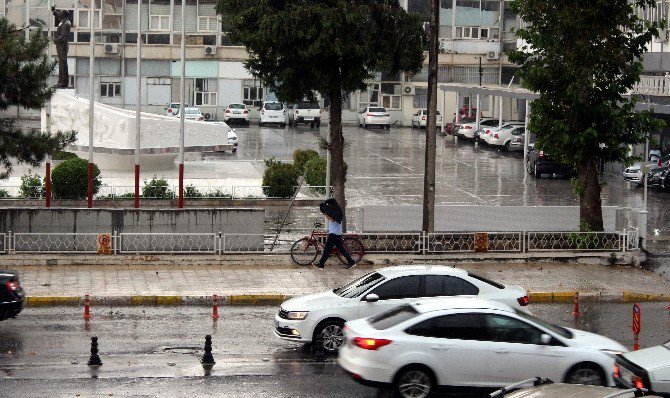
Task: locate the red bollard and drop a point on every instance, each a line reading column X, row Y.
column 215, row 307
column 575, row 311
column 636, row 342
column 87, row 310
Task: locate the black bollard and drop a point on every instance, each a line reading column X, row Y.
column 208, row 359
column 319, row 355
column 94, row 360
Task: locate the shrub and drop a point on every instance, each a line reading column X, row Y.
column 31, row 186
column 69, row 180
column 157, row 188
column 4, row 194
column 63, row 155
column 192, row 192
column 315, row 174
column 302, row 156
column 279, row 179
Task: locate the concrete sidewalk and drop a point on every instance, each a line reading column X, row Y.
column 252, row 280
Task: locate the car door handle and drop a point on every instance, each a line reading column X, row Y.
column 440, row 347
column 501, row 351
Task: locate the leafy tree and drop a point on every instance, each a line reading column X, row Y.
column 300, row 47
column 24, row 83
column 31, row 186
column 302, row 156
column 582, row 57
column 315, row 174
column 69, row 180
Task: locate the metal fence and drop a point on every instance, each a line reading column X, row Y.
column 381, row 242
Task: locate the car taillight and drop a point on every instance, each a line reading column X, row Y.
column 11, row 285
column 370, row 344
column 170, row 110
column 659, row 163
column 387, row 115
column 227, row 110
column 423, row 118
column 246, row 111
column 637, row 382
column 616, row 373
column 370, row 115
column 467, row 127
column 201, row 118
column 487, row 132
column 541, row 154
column 495, row 135
column 523, row 301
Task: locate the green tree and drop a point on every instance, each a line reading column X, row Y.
column 69, row 180
column 302, row 156
column 582, row 57
column 31, row 186
column 300, row 47
column 24, row 83
column 315, row 174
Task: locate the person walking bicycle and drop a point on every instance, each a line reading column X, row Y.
column 332, row 210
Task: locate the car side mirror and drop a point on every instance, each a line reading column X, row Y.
column 371, row 298
column 545, row 339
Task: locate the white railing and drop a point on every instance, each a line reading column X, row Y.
column 632, row 239
column 653, row 85
column 182, row 243
column 452, row 242
column 575, row 241
column 63, row 242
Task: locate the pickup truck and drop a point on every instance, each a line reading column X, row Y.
column 305, row 112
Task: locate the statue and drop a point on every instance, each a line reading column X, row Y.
column 60, row 39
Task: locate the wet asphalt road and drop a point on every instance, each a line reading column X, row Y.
column 155, row 351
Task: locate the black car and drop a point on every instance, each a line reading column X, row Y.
column 11, row 295
column 540, row 163
column 659, row 178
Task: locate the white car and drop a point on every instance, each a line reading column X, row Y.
column 633, row 173
column 193, row 113
column 469, row 130
column 420, row 118
column 273, row 112
column 646, row 368
column 416, row 348
column 486, row 133
column 374, row 116
column 236, row 113
column 322, row 315
column 172, row 109
column 545, row 388
column 502, row 136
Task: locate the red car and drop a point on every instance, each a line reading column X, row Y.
column 11, row 295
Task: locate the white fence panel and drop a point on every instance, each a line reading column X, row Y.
column 204, row 243
column 35, row 242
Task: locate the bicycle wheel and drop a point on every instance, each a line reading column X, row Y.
column 304, row 251
column 355, row 248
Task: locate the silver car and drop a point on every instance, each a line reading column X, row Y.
column 633, row 173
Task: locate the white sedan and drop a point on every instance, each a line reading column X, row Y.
column 646, row 368
column 374, row 116
column 469, row 130
column 417, row 348
column 237, row 113
column 420, row 119
column 502, row 136
column 321, row 316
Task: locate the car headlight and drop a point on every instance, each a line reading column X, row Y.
column 612, row 353
column 297, row 315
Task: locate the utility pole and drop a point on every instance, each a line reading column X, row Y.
column 428, row 225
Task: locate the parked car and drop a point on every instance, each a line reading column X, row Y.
column 236, row 112
column 464, row 113
column 306, row 113
column 486, row 134
column 416, row 348
column 232, row 134
column 518, row 142
column 193, row 113
column 545, row 388
column 659, row 178
column 322, row 315
column 12, row 295
column 633, row 173
column 539, row 163
column 469, row 129
column 420, row 118
column 374, row 116
column 172, row 109
column 646, row 368
column 501, row 137
column 273, row 112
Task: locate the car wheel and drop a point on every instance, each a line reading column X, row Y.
column 413, row 382
column 535, row 171
column 311, row 125
column 290, row 123
column 507, row 146
column 528, row 168
column 586, row 373
column 283, row 125
column 365, row 125
column 665, row 184
column 331, row 333
column 388, row 127
column 318, row 123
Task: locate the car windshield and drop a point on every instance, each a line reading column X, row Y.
column 554, row 328
column 393, row 317
column 377, row 110
column 191, row 111
column 667, row 344
column 236, row 106
column 307, row 105
column 360, row 285
column 273, row 106
column 174, row 106
column 425, row 112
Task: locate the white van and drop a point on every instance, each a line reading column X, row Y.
column 273, row 112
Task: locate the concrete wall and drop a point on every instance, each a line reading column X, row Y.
column 36, row 220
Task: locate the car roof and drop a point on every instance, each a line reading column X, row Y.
column 459, row 303
column 402, row 270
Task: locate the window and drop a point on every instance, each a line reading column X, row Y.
column 481, row 278
column 393, row 317
column 253, row 95
column 455, row 326
column 203, row 93
column 159, row 22
column 110, row 90
column 360, row 285
column 467, row 32
column 83, row 18
column 489, row 33
column 399, row 288
column 207, row 24
column 391, row 101
column 445, row 285
column 510, row 330
column 111, row 18
column 420, row 97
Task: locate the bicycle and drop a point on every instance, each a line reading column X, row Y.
column 305, row 250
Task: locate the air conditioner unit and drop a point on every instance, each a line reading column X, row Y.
column 210, row 50
column 408, row 90
column 492, row 55
column 111, row 48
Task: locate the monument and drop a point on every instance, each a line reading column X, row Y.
column 63, row 26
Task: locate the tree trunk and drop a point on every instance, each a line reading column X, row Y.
column 337, row 150
column 590, row 203
column 431, row 134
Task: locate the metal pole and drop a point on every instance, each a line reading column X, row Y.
column 481, row 73
column 47, row 174
column 27, row 21
column 182, row 87
column 525, row 153
column 138, row 106
column 91, row 103
column 428, row 224
column 327, row 195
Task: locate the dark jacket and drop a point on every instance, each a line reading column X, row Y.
column 332, row 209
